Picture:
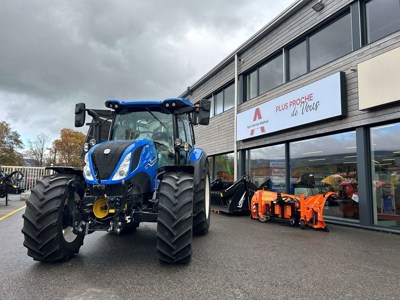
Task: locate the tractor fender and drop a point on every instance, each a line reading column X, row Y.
column 197, row 159
column 178, row 169
column 66, row 170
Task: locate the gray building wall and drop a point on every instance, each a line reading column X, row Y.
column 218, row 137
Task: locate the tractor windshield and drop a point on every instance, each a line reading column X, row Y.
column 144, row 124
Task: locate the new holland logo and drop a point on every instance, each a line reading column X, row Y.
column 107, row 151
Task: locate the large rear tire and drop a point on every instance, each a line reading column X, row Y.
column 48, row 220
column 175, row 218
column 202, row 207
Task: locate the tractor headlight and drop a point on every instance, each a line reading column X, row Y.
column 123, row 169
column 86, row 169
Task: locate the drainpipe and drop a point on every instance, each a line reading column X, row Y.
column 235, row 153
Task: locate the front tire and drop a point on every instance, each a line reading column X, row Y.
column 48, row 220
column 175, row 218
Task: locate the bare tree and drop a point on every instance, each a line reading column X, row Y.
column 37, row 149
column 51, row 160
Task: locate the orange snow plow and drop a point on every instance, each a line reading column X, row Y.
column 291, row 209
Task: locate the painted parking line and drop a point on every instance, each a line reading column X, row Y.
column 13, row 212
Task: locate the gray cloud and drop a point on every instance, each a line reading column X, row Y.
column 55, row 53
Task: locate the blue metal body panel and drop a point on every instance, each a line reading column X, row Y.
column 147, row 163
column 180, row 102
column 195, row 154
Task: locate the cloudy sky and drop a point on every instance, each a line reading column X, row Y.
column 55, row 53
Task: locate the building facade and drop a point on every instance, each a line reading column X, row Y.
column 311, row 103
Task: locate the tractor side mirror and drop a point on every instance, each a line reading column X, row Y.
column 80, row 114
column 202, row 114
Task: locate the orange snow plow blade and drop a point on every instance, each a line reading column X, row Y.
column 312, row 208
column 291, row 209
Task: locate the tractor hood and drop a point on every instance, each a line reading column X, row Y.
column 114, row 161
column 107, row 156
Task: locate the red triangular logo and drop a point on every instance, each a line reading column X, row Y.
column 257, row 114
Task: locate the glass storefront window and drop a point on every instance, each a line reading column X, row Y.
column 223, row 167
column 385, row 156
column 324, row 164
column 271, row 74
column 382, row 18
column 331, row 42
column 210, row 165
column 266, row 167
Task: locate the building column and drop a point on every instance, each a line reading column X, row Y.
column 365, row 204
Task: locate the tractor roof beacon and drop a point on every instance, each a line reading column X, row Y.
column 140, row 166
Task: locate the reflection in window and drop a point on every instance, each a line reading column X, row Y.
column 184, row 131
column 211, row 165
column 271, row 74
column 251, row 85
column 223, row 100
column 297, row 60
column 331, row 42
column 327, row 164
column 181, row 130
column 385, row 156
column 266, row 167
column 382, row 18
column 212, row 106
column 223, row 167
column 141, row 124
column 229, row 97
column 219, row 103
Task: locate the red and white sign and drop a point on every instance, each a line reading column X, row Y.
column 314, row 102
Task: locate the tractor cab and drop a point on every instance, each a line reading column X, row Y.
column 145, row 124
column 168, row 123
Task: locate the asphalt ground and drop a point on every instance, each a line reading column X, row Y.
column 14, row 205
column 240, row 258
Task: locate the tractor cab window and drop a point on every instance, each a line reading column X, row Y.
column 143, row 124
column 184, row 130
column 147, row 125
column 184, row 134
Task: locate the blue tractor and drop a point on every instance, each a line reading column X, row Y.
column 140, row 166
